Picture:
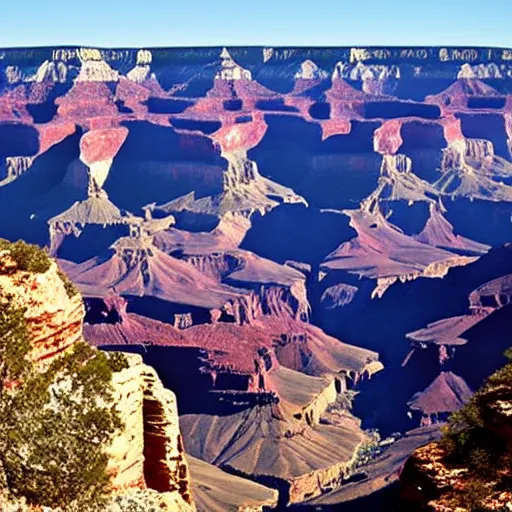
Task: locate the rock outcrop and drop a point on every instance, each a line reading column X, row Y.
column 439, row 478
column 54, row 320
column 308, row 460
column 148, row 454
column 231, row 214
column 447, row 333
column 447, row 394
column 380, row 252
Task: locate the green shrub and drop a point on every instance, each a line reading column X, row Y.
column 54, row 427
column 467, row 441
column 28, row 257
column 464, row 430
column 14, row 341
column 482, row 463
column 55, row 424
column 117, row 361
column 70, row 288
column 473, row 495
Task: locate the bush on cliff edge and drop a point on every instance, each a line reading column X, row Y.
column 54, row 424
column 470, row 440
column 28, row 257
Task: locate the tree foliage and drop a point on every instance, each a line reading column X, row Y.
column 469, row 440
column 70, row 288
column 56, row 423
column 117, row 361
column 28, row 257
column 31, row 258
column 14, row 342
column 466, row 436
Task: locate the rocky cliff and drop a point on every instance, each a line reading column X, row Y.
column 469, row 469
column 264, row 226
column 54, row 319
column 147, row 455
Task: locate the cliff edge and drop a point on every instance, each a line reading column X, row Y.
column 470, row 468
column 143, row 454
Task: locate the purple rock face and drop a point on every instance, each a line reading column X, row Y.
column 273, row 229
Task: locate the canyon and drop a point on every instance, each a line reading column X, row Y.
column 305, row 251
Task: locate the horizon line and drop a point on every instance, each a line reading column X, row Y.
column 255, row 46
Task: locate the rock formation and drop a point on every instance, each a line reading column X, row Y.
column 264, row 226
column 447, row 333
column 148, row 453
column 449, row 474
column 54, row 320
column 380, row 252
column 447, row 394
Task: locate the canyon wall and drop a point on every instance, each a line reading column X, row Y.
column 148, row 452
column 266, row 227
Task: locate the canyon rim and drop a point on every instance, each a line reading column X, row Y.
column 305, row 252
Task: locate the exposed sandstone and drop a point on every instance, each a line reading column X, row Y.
column 221, row 139
column 379, row 252
column 148, row 452
column 98, row 145
column 439, row 233
column 95, row 209
column 456, row 95
column 250, row 353
column 89, row 98
column 141, row 72
column 381, row 472
column 338, row 295
column 244, row 191
column 98, row 149
column 14, row 74
column 449, row 333
column 94, row 68
column 50, row 71
column 310, row 71
column 304, row 397
column 51, row 135
column 14, row 167
column 480, row 71
column 240, row 136
column 492, row 295
column 126, row 455
column 397, row 182
column 165, row 466
column 54, row 320
column 138, row 268
column 361, row 71
column 477, row 171
column 388, row 137
column 230, row 70
column 284, row 452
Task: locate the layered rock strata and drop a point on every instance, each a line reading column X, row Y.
column 232, row 213
column 148, row 452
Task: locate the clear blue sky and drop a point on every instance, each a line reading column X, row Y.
column 113, row 23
